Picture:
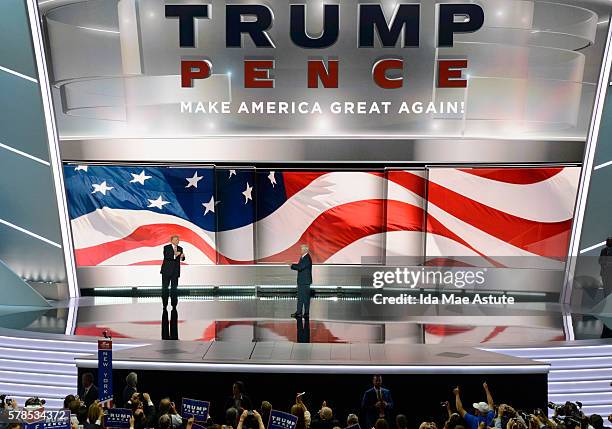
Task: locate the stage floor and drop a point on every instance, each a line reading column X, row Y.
column 285, row 357
column 333, row 320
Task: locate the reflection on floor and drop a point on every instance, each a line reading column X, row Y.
column 333, row 321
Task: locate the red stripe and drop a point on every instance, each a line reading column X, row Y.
column 517, row 176
column 144, row 236
column 434, row 226
column 409, row 180
column 446, row 330
column 549, row 239
column 295, row 181
column 341, row 225
column 335, row 229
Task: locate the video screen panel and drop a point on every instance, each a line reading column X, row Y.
column 124, row 215
column 500, row 217
column 405, row 217
column 234, row 205
column 339, row 214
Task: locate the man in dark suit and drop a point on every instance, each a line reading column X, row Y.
column 376, row 403
column 605, row 263
column 304, row 280
column 171, row 270
column 88, row 392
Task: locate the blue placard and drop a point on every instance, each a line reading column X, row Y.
column 105, row 370
column 195, row 408
column 58, row 420
column 281, row 420
column 35, row 425
column 118, row 418
column 197, row 426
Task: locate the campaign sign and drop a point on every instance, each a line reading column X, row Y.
column 118, row 418
column 197, row 426
column 281, row 420
column 195, row 408
column 58, row 420
column 105, row 370
column 35, row 425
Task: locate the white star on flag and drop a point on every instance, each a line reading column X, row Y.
column 209, row 206
column 158, row 203
column 272, row 178
column 102, row 188
column 232, row 173
column 139, row 178
column 193, row 181
column 81, row 167
column 247, row 193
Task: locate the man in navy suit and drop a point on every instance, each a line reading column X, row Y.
column 376, row 403
column 304, row 280
column 171, row 270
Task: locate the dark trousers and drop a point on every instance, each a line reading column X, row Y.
column 170, row 328
column 303, row 299
column 171, row 281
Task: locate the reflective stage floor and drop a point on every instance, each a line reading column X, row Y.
column 333, row 320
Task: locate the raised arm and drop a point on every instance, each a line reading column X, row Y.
column 488, row 393
column 458, row 403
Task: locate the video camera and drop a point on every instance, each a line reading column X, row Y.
column 35, row 402
column 569, row 414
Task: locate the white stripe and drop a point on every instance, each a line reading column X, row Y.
column 439, row 246
column 30, row 233
column 100, row 30
column 403, row 243
column 605, row 164
column 25, row 154
column 593, row 247
column 282, row 228
column 16, row 73
column 366, row 250
column 551, row 200
column 485, row 243
column 106, row 224
column 193, row 255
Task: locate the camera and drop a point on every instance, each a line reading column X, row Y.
column 4, row 401
column 570, row 414
column 35, row 402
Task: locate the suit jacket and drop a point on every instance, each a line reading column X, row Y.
column 304, row 269
column 318, row 423
column 605, row 259
column 245, row 403
column 92, row 395
column 368, row 405
column 171, row 267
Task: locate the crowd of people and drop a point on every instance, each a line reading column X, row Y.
column 377, row 411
